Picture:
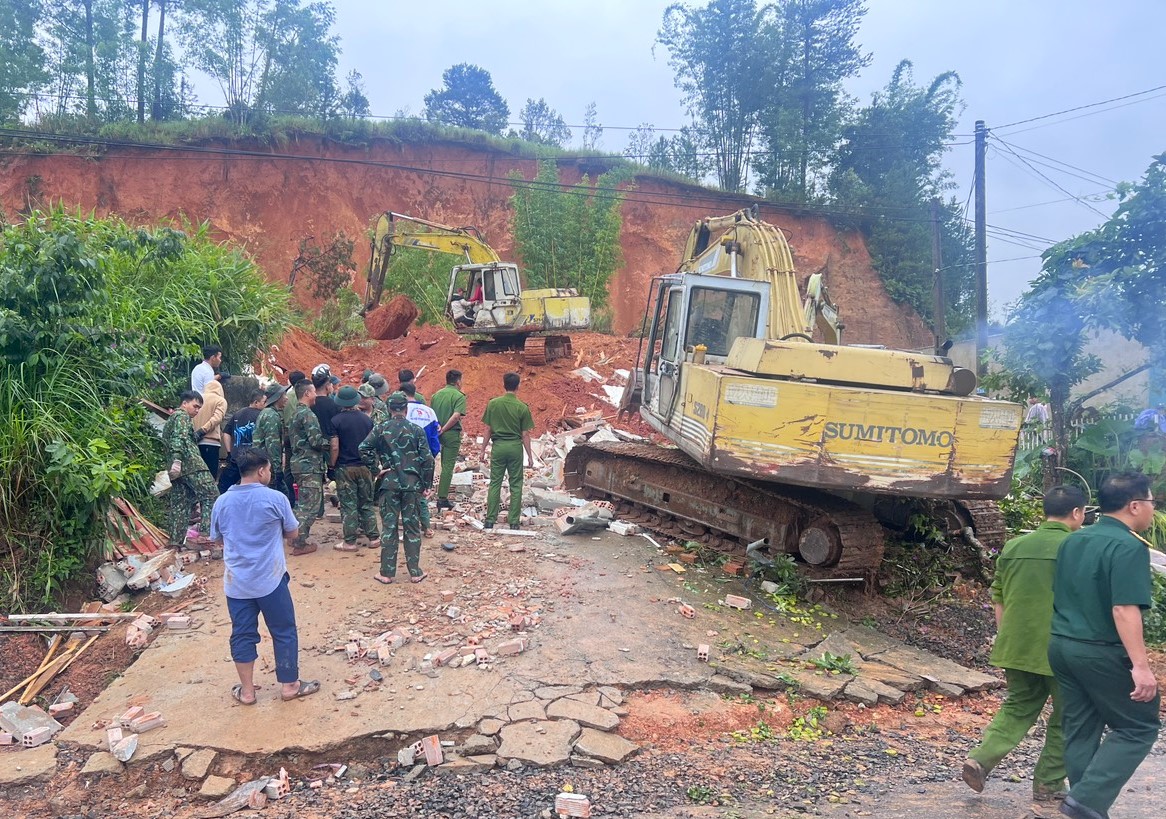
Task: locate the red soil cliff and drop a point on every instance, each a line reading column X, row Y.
column 268, row 204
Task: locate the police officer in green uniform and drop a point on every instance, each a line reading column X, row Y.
column 450, row 405
column 397, row 453
column 1097, row 651
column 1022, row 593
column 306, row 460
column 508, row 424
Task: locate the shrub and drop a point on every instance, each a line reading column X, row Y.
column 94, row 314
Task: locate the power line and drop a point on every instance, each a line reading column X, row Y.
column 1081, row 108
column 684, row 200
column 1052, row 202
column 1046, row 178
column 1096, row 176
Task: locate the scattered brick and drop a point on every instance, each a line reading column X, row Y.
column 431, row 747
column 384, row 655
column 447, row 596
column 147, row 722
column 60, row 708
column 113, row 736
column 444, row 657
column 510, row 647
column 130, row 715
column 572, row 804
column 734, row 601
column 6, row 738
column 687, row 611
column 702, row 652
column 37, row 736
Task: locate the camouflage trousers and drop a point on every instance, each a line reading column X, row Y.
column 198, row 488
column 357, row 509
column 308, row 504
column 406, row 507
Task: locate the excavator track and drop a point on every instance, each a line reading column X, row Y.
column 666, row 491
column 538, row 350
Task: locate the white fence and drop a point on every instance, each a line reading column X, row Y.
column 1033, row 436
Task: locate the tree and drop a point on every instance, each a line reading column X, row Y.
column 467, row 99
column 592, row 129
column 569, row 236
column 812, row 50
column 887, row 169
column 543, row 124
column 92, row 44
column 722, row 69
column 640, row 141
column 21, row 58
column 354, row 104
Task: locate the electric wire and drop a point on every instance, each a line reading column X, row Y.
column 1081, row 108
column 1039, row 173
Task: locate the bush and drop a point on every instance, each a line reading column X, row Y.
column 1155, row 618
column 340, row 322
column 94, row 314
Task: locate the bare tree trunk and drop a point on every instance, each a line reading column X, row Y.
column 1058, row 399
column 90, row 67
column 156, row 111
column 143, row 47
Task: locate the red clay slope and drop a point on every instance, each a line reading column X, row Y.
column 269, row 204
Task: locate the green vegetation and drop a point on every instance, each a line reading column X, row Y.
column 808, row 728
column 701, row 794
column 93, row 315
column 835, row 663
column 568, row 235
column 1155, row 618
column 423, row 276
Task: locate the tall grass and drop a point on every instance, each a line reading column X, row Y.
column 94, row 314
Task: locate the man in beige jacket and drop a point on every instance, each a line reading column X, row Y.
column 208, row 424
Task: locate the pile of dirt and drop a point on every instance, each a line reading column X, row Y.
column 392, row 320
column 551, row 390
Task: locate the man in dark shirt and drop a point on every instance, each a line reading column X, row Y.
column 238, row 436
column 325, row 409
column 1097, row 650
column 353, row 479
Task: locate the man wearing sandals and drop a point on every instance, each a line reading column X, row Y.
column 252, row 522
column 398, row 454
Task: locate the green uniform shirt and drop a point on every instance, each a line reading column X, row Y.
column 268, row 436
column 289, row 408
column 309, row 447
column 507, row 418
column 1024, row 585
column 178, row 442
column 1099, row 567
column 446, row 402
column 399, row 446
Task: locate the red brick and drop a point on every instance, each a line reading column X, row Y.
column 6, row 738
column 572, row 804
column 734, row 601
column 516, row 646
column 686, row 611
column 130, row 715
column 444, row 657
column 431, row 746
column 37, row 736
column 147, row 722
column 60, row 708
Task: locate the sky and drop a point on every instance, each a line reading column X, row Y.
column 1017, row 58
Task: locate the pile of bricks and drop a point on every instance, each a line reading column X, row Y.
column 26, row 725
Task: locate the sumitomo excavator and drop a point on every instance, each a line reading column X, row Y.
column 505, row 315
column 786, row 439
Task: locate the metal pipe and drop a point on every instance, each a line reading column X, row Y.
column 751, row 553
column 732, row 248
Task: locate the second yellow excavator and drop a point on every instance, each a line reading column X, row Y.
column 485, row 297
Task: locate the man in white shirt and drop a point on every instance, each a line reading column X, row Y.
column 212, row 359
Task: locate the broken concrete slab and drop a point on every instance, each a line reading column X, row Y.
column 611, row 693
column 102, row 763
column 889, row 675
column 820, row 685
column 477, row 744
column 590, row 715
column 578, row 761
column 553, row 692
column 936, row 669
column 462, row 765
column 720, row 684
column 589, row 697
column 872, row 692
column 30, row 765
column 611, row 748
column 538, row 743
column 837, row 644
column 217, row 787
column 531, row 709
column 198, row 764
column 867, row 641
column 490, row 727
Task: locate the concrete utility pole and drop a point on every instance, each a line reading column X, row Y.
column 981, row 254
column 937, row 316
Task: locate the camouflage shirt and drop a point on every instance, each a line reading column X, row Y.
column 268, row 436
column 400, row 447
column 309, row 447
column 179, row 444
column 380, row 411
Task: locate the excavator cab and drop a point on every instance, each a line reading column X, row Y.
column 494, row 290
column 697, row 318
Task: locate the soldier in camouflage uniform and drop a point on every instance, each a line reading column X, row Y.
column 269, row 437
column 307, row 456
column 398, row 455
column 190, row 480
column 380, row 410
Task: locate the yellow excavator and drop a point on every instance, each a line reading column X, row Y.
column 485, row 298
column 786, row 440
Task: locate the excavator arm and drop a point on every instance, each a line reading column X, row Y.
column 396, row 230
column 741, row 246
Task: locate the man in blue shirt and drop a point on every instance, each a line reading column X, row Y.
column 252, row 522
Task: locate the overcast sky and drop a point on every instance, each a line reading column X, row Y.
column 1017, row 58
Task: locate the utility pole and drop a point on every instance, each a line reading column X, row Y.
column 981, row 254
column 937, row 314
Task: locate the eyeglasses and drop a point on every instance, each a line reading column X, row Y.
column 1155, row 502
